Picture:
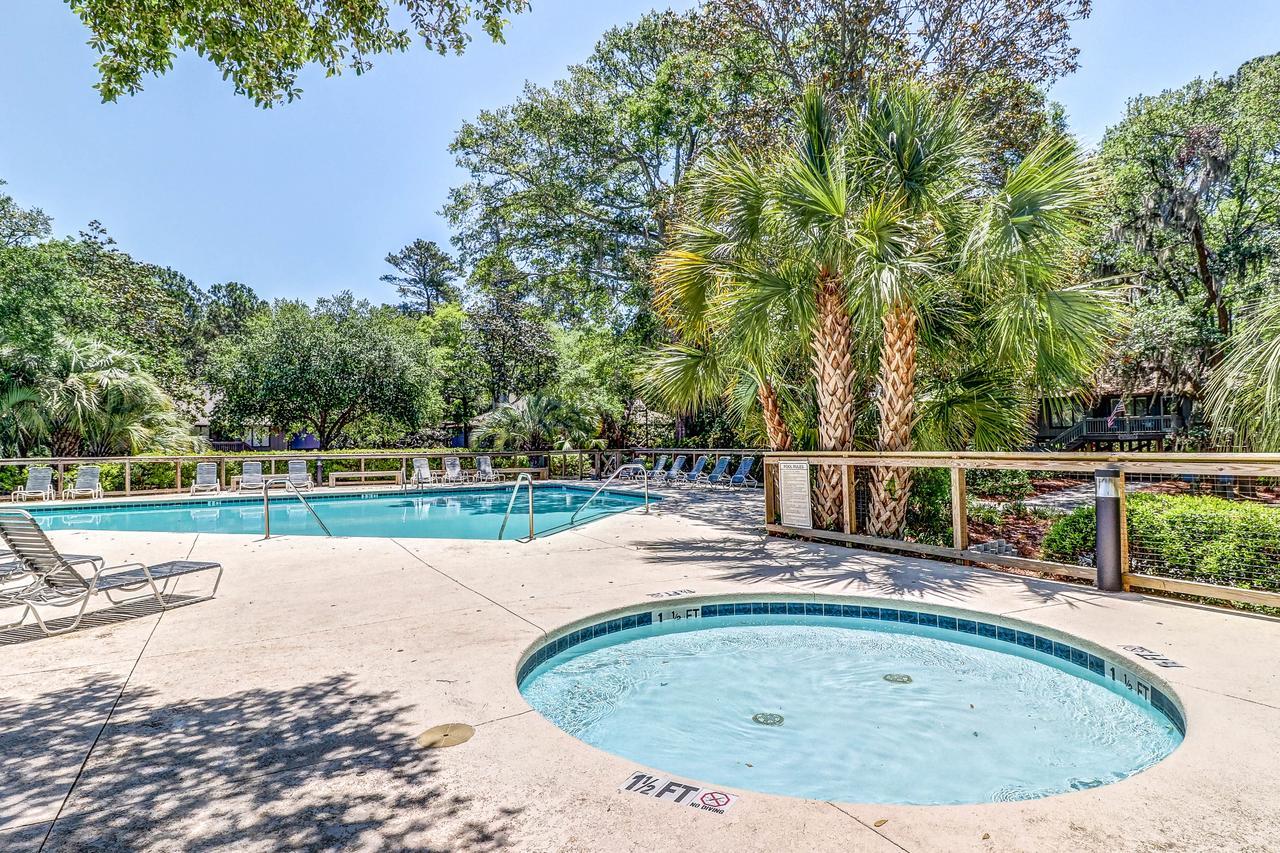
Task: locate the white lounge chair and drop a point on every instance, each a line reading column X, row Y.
column 298, row 475
column 206, row 478
column 422, row 474
column 484, row 471
column 39, row 485
column 88, row 483
column 453, row 472
column 251, row 479
column 56, row 583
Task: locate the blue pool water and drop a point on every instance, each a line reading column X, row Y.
column 451, row 514
column 978, row 721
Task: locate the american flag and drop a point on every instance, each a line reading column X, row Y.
column 1115, row 413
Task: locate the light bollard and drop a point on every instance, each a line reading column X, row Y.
column 1107, row 542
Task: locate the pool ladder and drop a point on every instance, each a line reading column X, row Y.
column 289, row 487
column 644, row 472
column 528, row 480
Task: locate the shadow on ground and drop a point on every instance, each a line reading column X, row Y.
column 751, row 556
column 318, row 766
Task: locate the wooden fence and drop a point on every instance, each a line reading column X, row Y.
column 1240, row 472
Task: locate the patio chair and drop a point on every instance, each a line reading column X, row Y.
column 56, row 583
column 422, row 474
column 251, row 479
column 206, row 478
column 39, row 485
column 484, row 471
column 298, row 475
column 677, row 466
column 87, row 483
column 742, row 477
column 658, row 466
column 453, row 472
column 718, row 474
column 692, row 475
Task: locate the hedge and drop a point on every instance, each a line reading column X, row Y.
column 1209, row 539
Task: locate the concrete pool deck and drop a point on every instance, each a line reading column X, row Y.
column 283, row 713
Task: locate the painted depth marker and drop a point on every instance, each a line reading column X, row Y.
column 679, row 793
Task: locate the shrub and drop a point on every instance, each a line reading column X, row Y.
column 1002, row 484
column 1071, row 539
column 929, row 507
column 1229, row 543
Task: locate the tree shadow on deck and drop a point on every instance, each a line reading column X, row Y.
column 836, row 569
column 318, row 766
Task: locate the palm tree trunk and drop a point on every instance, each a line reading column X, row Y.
column 891, row 487
column 833, row 374
column 774, row 424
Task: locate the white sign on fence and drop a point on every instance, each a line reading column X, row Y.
column 793, row 494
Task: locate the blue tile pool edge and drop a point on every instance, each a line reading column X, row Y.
column 1079, row 653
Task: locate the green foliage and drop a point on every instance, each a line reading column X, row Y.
column 998, row 483
column 1195, row 215
column 262, row 45
column 324, row 368
column 82, row 397
column 576, row 181
column 883, row 202
column 929, row 507
column 538, row 422
column 1205, row 538
column 1073, row 537
column 513, row 343
column 424, row 276
column 1244, row 393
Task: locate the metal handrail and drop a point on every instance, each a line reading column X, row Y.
column 289, row 486
column 523, row 478
column 643, row 471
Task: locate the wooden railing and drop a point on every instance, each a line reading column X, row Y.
column 1129, row 425
column 571, row 464
column 1184, row 468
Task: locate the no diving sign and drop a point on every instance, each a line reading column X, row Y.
column 679, row 793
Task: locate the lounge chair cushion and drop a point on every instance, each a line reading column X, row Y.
column 159, row 572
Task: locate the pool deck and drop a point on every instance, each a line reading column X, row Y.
column 283, row 713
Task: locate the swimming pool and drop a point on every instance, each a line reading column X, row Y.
column 447, row 514
column 852, row 702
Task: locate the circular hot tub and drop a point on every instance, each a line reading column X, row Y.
column 852, row 700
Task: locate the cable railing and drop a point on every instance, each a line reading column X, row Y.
column 630, row 465
column 289, row 487
column 527, row 479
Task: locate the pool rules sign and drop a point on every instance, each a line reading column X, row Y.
column 679, row 793
column 793, row 494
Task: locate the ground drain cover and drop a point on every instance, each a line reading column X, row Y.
column 767, row 719
column 450, row 734
column 898, row 678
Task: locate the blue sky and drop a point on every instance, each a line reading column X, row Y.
column 306, row 199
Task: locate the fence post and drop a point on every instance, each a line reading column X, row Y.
column 849, row 477
column 1108, row 544
column 177, row 479
column 128, row 478
column 959, row 510
column 770, row 488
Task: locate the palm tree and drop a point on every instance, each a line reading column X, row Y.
column 89, row 397
column 538, row 422
column 758, row 260
column 876, row 232
column 1243, row 396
